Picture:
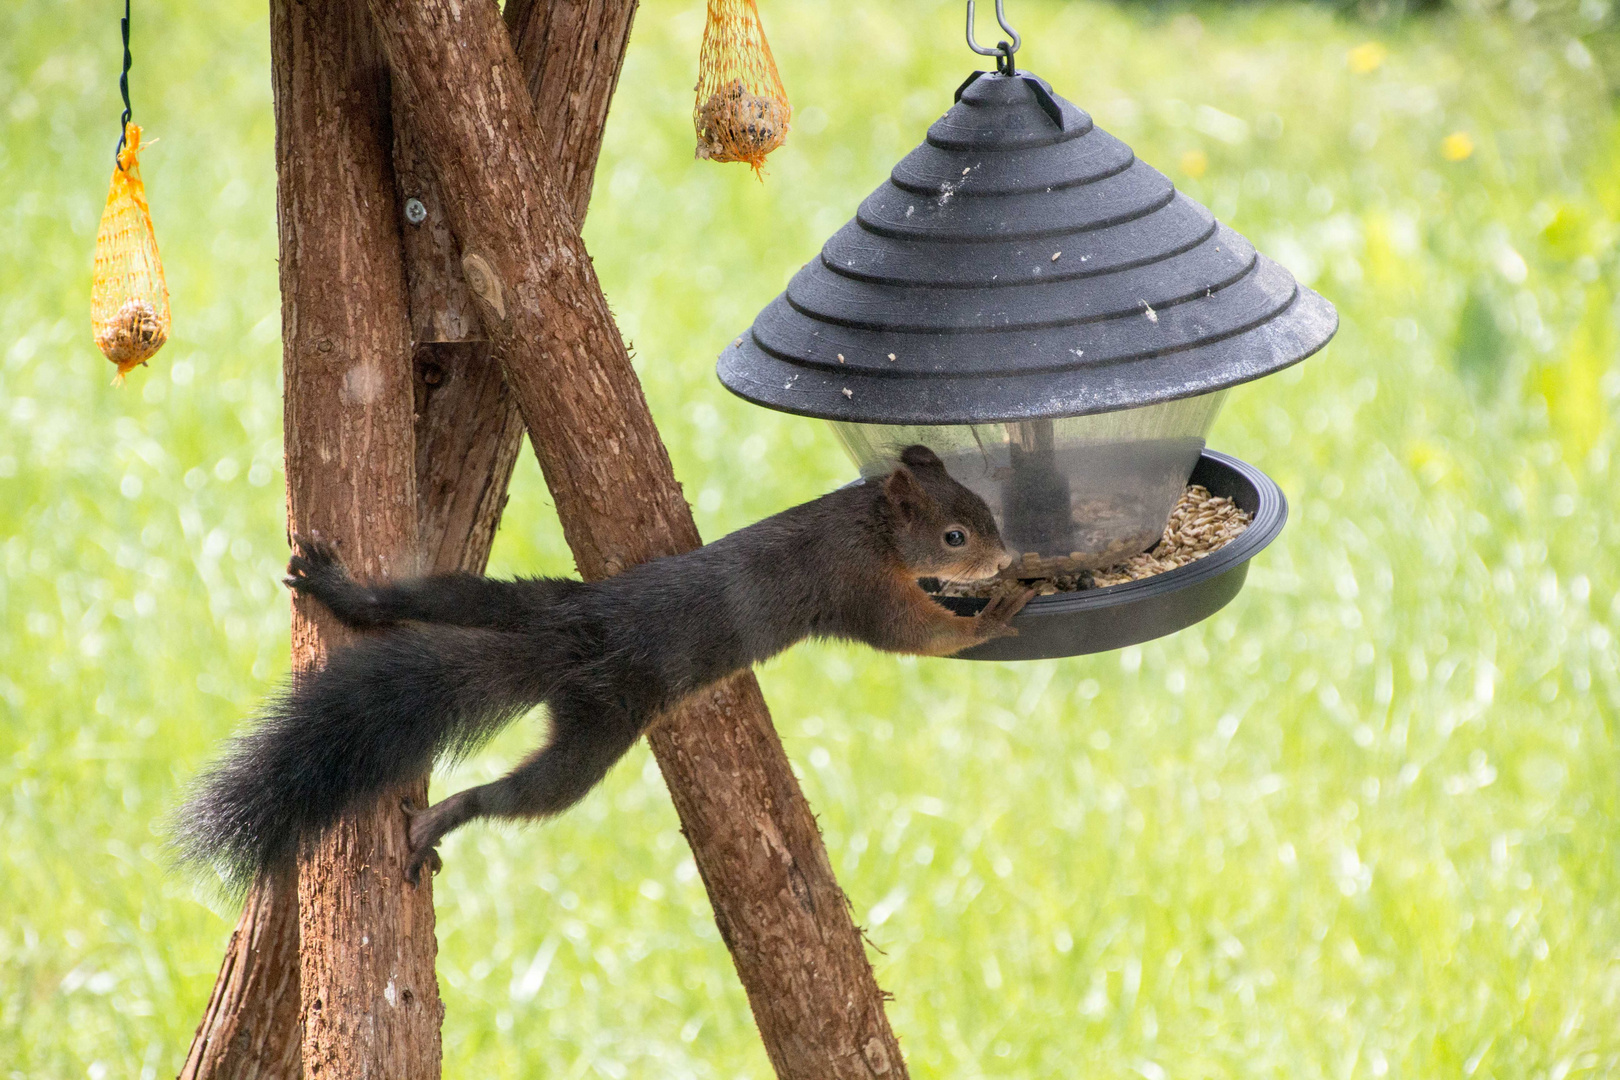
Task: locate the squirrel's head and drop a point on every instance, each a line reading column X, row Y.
column 941, row 529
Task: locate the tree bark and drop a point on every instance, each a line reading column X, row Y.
column 781, row 912
column 571, row 53
column 468, row 436
column 250, row 1029
column 468, row 430
column 370, row 998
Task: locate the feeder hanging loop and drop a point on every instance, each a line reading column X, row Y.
column 123, row 86
column 1003, row 52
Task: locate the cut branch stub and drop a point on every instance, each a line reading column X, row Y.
column 484, row 284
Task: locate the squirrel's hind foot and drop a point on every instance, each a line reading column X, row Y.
column 314, row 564
column 428, row 857
column 426, row 827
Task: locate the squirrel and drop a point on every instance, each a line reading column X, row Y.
column 460, row 656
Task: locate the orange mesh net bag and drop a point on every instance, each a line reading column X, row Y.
column 742, row 112
column 129, row 301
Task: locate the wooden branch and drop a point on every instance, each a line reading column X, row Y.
column 468, row 430
column 468, row 427
column 468, row 437
column 571, row 53
column 370, row 996
column 779, row 908
column 250, row 1028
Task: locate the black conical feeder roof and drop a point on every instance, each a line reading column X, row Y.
column 1021, row 264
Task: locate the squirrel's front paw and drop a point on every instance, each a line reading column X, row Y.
column 995, row 615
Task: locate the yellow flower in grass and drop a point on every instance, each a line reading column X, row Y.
column 1457, row 146
column 1368, row 56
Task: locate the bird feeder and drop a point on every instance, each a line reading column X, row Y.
column 1060, row 325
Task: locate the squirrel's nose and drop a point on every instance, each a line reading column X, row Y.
column 1005, row 561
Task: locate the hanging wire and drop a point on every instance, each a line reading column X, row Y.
column 1003, row 52
column 123, row 85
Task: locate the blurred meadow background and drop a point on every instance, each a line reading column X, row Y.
column 1362, row 823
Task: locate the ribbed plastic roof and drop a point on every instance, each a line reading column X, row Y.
column 1022, row 263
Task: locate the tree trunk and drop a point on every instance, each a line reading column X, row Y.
column 468, row 436
column 779, row 908
column 370, row 998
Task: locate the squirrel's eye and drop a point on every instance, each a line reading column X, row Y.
column 956, row 538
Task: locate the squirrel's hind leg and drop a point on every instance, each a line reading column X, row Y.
column 589, row 737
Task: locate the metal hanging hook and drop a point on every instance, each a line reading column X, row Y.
column 1003, row 52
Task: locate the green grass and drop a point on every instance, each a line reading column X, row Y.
column 1361, row 823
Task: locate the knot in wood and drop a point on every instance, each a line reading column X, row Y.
column 877, row 1056
column 484, row 284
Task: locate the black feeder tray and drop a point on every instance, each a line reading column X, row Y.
column 1097, row 620
column 1057, row 322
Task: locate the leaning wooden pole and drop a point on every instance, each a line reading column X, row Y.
column 780, row 910
column 468, row 429
column 359, row 995
column 468, row 434
column 367, row 952
column 249, row 1031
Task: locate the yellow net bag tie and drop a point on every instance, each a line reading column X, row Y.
column 742, row 112
column 129, row 300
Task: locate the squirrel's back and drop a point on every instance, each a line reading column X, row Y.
column 688, row 620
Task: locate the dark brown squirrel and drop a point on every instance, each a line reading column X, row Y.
column 463, row 655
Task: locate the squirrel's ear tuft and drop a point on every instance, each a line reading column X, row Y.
column 919, row 456
column 906, row 494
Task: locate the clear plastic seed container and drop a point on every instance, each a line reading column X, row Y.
column 1075, row 493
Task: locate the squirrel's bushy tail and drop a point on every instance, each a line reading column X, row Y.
column 379, row 713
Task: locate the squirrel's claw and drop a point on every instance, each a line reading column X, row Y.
column 994, row 618
column 428, row 857
column 314, row 548
column 1002, row 608
column 313, row 558
column 311, row 539
column 424, row 841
